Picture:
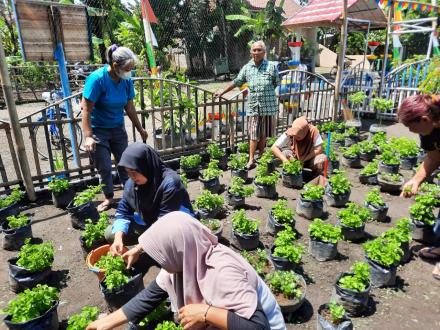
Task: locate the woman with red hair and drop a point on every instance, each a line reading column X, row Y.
column 421, row 114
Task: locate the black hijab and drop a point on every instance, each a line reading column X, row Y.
column 145, row 160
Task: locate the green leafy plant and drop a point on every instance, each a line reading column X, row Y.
column 312, row 192
column 374, row 198
column 168, row 325
column 81, row 320
column 87, row 195
column 259, row 260
column 351, row 132
column 406, row 147
column 371, row 168
column 208, row 201
column 238, row 161
column 95, row 231
column 292, row 167
column 266, row 158
column 35, row 257
column 15, row 196
column 270, row 141
column 242, row 224
column 357, row 98
column 379, row 139
column 212, row 224
column 116, row 279
column 157, row 314
column 58, row 163
column 339, row 184
column 329, row 126
column 238, row 188
column 17, row 221
column 367, row 147
column 338, row 137
column 190, row 162
column 214, row 151
column 337, row 312
column 243, row 147
column 429, row 188
column 58, row 185
column 359, row 279
column 422, row 213
column 401, row 233
column 286, row 283
column 354, row 216
column 391, row 177
column 284, row 247
column 382, row 105
column 352, row 151
column 384, row 252
column 282, row 213
column 389, row 158
column 428, row 199
column 212, row 171
column 184, row 180
column 324, row 232
column 31, row 304
column 264, row 178
column 115, row 271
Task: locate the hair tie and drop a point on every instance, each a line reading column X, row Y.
column 113, row 47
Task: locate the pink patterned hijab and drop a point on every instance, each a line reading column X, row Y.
column 196, row 269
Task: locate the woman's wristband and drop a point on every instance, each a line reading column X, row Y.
column 206, row 314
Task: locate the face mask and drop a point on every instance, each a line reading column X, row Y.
column 124, row 75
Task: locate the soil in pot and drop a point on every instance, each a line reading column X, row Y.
column 392, row 169
column 13, row 238
column 213, row 185
column 407, row 163
column 289, row 306
column 292, row 180
column 246, row 242
column 325, row 320
column 323, row 251
column 265, row 191
column 351, row 162
column 368, row 179
column 79, row 214
column 281, row 263
column 235, row 200
column 240, row 173
column 215, row 226
column 61, row 200
column 273, row 227
column 21, row 278
column 47, row 321
column 310, row 209
column 354, row 302
column 381, row 276
column 391, row 187
column 378, row 213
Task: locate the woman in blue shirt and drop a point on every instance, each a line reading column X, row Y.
column 152, row 191
column 109, row 91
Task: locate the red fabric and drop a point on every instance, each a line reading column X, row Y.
column 146, row 8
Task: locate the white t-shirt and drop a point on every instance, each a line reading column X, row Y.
column 284, row 141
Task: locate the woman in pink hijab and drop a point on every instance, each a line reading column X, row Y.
column 210, row 285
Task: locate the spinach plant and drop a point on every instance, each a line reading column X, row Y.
column 374, row 198
column 243, row 147
column 339, row 183
column 31, row 304
column 87, row 195
column 286, row 283
column 406, row 147
column 384, row 252
column 15, row 196
column 258, row 260
column 324, row 232
column 95, row 231
column 266, row 158
column 58, row 185
column 157, row 314
column 422, row 213
column 270, row 141
column 17, row 221
column 238, row 161
column 338, row 137
column 379, row 139
column 238, row 188
column 212, row 171
column 312, row 192
column 184, row 180
column 337, row 312
column 242, row 224
column 168, row 325
column 359, row 279
column 264, row 178
column 190, row 162
column 208, row 201
column 284, row 247
column 382, row 105
column 352, row 151
column 351, row 132
column 371, row 168
column 354, row 216
column 366, row 147
column 389, row 158
column 116, row 274
column 81, row 320
column 212, row 224
column 35, row 257
column 214, row 151
column 292, row 167
column 282, row 213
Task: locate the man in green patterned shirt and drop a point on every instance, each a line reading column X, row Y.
column 262, row 78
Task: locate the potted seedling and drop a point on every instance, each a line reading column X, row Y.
column 265, row 183
column 270, row 141
column 82, row 208
column 9, row 204
column 289, row 290
column 33, row 309
column 356, row 100
column 351, row 136
column 389, row 162
column 332, row 316
column 310, row 204
column 16, row 229
column 368, row 175
column 81, row 320
column 210, row 177
column 377, row 206
column 323, row 240
column 352, row 290
column 245, row 231
column 238, row 192
column 267, row 160
column 351, row 156
column 292, row 174
column 62, row 194
column 258, row 260
column 280, row 215
column 402, row 235
column 391, row 183
column 422, row 222
column 383, row 257
column 286, row 255
column 367, row 150
column 333, row 161
column 154, row 319
column 209, row 205
column 379, row 139
column 216, row 153
column 381, row 105
column 119, row 284
column 338, row 140
column 352, row 221
column 32, row 266
column 214, row 225
column 243, row 147
column 237, row 163
column 168, row 325
column 408, row 151
column 93, row 235
column 338, row 189
column 190, row 165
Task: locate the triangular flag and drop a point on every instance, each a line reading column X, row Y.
column 147, row 12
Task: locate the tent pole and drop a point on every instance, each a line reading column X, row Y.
column 385, row 55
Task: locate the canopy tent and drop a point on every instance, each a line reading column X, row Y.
column 329, row 13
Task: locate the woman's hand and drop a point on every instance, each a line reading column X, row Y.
column 90, row 144
column 218, row 93
column 410, row 188
column 144, row 134
column 98, row 325
column 192, row 316
column 132, row 255
column 117, row 248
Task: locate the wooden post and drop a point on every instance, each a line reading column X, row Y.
column 341, row 59
column 15, row 125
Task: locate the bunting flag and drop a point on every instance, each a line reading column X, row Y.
column 148, row 18
column 397, row 45
column 402, row 5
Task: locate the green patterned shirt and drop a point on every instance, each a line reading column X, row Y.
column 262, row 82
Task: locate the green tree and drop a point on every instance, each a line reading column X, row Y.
column 8, row 30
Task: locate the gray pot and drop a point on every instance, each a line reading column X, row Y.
column 338, row 144
column 389, row 186
column 273, row 227
column 246, row 242
column 352, row 234
column 265, row 191
column 208, row 214
column 240, row 173
column 351, row 162
column 191, row 173
column 324, row 324
column 292, row 180
column 368, row 179
column 376, row 128
column 384, row 168
column 290, row 306
column 281, row 263
column 337, row 200
column 323, row 251
column 350, row 140
column 407, row 163
column 235, row 200
column 213, row 185
column 424, row 233
column 378, row 213
column 354, row 302
column 310, row 209
column 62, row 199
column 381, row 276
column 368, row 156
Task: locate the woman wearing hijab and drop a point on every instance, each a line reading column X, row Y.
column 151, row 191
column 211, row 286
column 303, row 142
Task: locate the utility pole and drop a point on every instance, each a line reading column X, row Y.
column 341, row 58
column 15, row 125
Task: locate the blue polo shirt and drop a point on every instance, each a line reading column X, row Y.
column 109, row 97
